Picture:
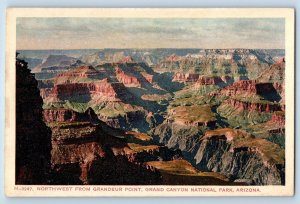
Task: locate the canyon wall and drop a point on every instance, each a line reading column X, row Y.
column 33, row 137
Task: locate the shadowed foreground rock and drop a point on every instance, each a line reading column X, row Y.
column 33, row 137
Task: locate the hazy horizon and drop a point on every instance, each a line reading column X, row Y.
column 233, row 48
column 142, row 33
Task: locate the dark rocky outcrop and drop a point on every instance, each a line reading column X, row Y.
column 33, row 137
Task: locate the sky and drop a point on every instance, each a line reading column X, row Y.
column 98, row 33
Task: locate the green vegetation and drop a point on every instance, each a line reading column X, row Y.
column 253, row 99
column 192, row 114
column 196, row 90
column 114, row 109
column 277, row 138
column 244, row 118
column 198, row 100
column 156, row 97
column 78, row 107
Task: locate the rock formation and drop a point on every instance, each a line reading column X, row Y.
column 275, row 73
column 87, row 151
column 126, row 79
column 33, row 137
column 252, row 106
column 278, row 118
column 77, row 75
column 199, row 103
column 238, row 155
column 100, row 88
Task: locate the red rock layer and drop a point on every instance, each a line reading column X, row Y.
column 60, row 115
column 243, row 87
column 68, row 115
column 278, row 117
column 204, row 80
column 89, row 153
column 249, row 106
column 201, row 79
column 83, row 71
column 100, row 88
column 186, row 77
column 126, row 79
column 240, row 87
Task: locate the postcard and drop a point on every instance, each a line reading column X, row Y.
column 149, row 102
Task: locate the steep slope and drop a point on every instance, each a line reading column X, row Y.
column 275, row 73
column 238, row 155
column 87, row 151
column 33, row 137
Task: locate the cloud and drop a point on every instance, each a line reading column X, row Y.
column 138, row 32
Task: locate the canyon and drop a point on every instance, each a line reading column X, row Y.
column 155, row 117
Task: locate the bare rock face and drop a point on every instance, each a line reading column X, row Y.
column 185, row 77
column 33, row 137
column 200, row 81
column 275, row 73
column 82, row 72
column 251, row 106
column 257, row 160
column 278, row 118
column 87, row 151
column 241, row 87
column 250, row 88
column 126, row 79
column 67, row 115
column 100, row 88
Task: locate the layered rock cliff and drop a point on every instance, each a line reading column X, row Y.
column 87, row 151
column 126, row 79
column 80, row 74
column 252, row 106
column 238, row 155
column 101, row 88
column 183, row 77
column 68, row 115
